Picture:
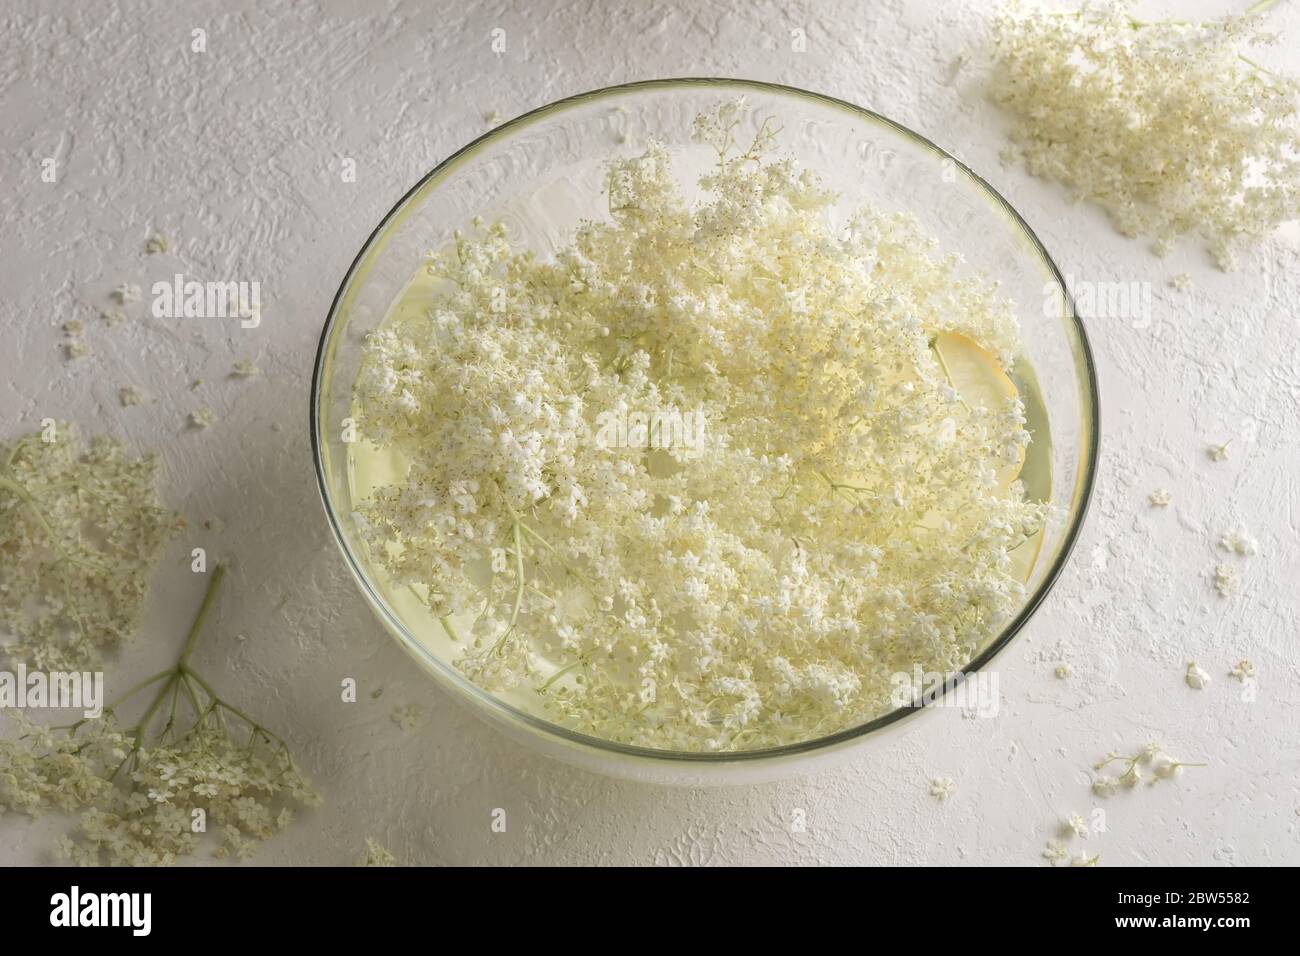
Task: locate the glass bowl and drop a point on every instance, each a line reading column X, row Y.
column 541, row 173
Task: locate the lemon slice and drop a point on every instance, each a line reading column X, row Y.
column 977, row 377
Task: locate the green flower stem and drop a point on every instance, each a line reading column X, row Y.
column 218, row 573
column 182, row 677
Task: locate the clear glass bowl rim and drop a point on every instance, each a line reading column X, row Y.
column 1091, row 429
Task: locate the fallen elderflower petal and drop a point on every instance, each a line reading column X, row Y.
column 1226, row 581
column 1196, row 678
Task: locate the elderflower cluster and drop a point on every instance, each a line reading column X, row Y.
column 1166, row 124
column 1149, row 765
column 146, row 815
column 842, row 523
column 80, row 531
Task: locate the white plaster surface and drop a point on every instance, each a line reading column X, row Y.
column 235, row 156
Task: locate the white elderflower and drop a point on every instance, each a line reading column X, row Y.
column 942, row 788
column 1218, row 452
column 126, row 293
column 1243, row 671
column 245, row 368
column 1105, row 786
column 202, row 418
column 75, row 349
column 1167, row 124
column 409, row 716
column 1239, row 543
column 135, row 790
column 1063, row 670
column 1055, row 852
column 1226, row 581
column 1076, row 826
column 80, row 531
column 1182, row 282
column 1160, row 498
column 1152, row 757
column 843, row 515
column 1196, row 677
column 156, row 244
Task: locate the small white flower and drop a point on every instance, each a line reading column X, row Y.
column 1243, row 671
column 1226, row 581
column 1239, row 543
column 409, row 716
column 942, row 788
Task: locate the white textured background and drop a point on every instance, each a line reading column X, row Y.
column 235, row 155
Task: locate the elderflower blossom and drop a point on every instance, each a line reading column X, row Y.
column 143, row 796
column 146, row 818
column 941, row 788
column 1243, row 671
column 1159, row 764
column 1166, row 124
column 80, row 531
column 1226, row 581
column 763, row 588
column 1239, row 543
